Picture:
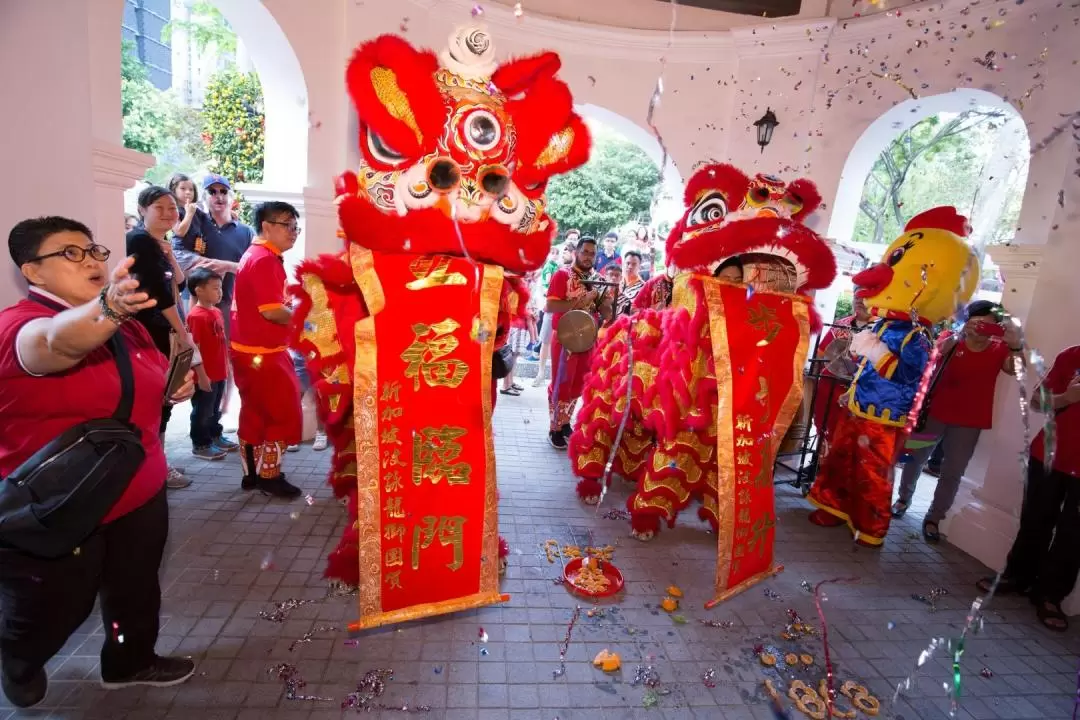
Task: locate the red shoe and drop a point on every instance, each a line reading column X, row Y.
column 824, row 519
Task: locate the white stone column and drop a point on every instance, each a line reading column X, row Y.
column 986, row 526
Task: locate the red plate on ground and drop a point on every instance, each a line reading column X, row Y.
column 612, row 573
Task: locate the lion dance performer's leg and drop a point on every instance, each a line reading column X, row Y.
column 604, row 406
column 855, row 480
column 270, row 417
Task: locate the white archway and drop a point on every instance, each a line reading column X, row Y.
column 285, row 99
column 878, row 136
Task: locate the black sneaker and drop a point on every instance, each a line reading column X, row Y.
column 557, row 439
column 163, row 672
column 566, row 431
column 278, row 487
column 27, row 694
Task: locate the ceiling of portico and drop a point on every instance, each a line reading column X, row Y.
column 703, row 15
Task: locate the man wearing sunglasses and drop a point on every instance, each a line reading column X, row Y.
column 219, row 245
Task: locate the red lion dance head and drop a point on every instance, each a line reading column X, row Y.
column 457, row 150
column 759, row 220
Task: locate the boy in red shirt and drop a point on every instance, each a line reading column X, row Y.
column 961, row 406
column 270, row 417
column 207, row 328
column 1045, row 557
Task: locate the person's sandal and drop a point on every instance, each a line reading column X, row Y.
column 931, row 536
column 899, row 509
column 1051, row 616
column 512, row 392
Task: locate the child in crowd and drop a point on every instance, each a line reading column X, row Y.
column 207, row 329
column 321, row 442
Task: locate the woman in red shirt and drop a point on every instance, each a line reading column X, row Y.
column 1045, row 557
column 961, row 406
column 55, row 373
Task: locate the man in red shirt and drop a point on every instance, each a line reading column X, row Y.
column 566, row 292
column 961, row 406
column 270, row 416
column 1045, row 557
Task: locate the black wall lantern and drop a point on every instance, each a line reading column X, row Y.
column 765, row 127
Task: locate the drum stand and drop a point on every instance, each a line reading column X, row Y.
column 797, row 467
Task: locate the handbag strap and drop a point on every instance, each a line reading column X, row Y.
column 120, row 355
column 941, row 370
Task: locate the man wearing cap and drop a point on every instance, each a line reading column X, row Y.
column 217, row 245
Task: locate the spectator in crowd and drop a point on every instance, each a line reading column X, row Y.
column 1045, row 556
column 193, row 219
column 566, row 259
column 522, row 331
column 609, row 251
column 207, row 330
column 130, row 222
column 158, row 272
column 218, row 244
column 270, row 416
column 837, row 369
column 960, row 407
column 632, row 283
column 57, row 371
column 612, row 274
column 643, row 241
column 320, row 442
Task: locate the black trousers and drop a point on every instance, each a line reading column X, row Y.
column 1046, row 553
column 42, row 602
column 206, row 414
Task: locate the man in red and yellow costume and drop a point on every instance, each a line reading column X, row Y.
column 713, row 380
column 925, row 275
column 399, row 329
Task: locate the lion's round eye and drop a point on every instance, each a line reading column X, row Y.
column 709, row 210
column 482, row 130
column 380, row 150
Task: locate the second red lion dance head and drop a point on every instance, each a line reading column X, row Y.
column 457, row 150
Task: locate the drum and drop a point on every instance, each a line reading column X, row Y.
column 577, row 331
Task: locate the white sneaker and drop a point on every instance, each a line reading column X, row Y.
column 175, row 479
column 293, row 448
column 320, row 442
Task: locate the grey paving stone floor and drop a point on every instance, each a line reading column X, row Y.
column 233, row 554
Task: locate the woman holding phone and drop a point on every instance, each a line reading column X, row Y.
column 57, row 371
column 961, row 405
column 159, row 275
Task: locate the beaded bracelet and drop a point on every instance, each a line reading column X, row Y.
column 110, row 314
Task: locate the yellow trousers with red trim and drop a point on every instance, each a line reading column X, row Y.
column 855, row 476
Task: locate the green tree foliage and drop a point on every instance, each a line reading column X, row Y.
column 844, row 306
column 939, row 161
column 205, row 27
column 234, row 125
column 616, row 186
column 145, row 110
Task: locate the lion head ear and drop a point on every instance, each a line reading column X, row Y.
column 517, row 76
column 805, row 193
column 565, row 149
column 393, row 87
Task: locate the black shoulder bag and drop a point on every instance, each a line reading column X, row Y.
column 56, row 499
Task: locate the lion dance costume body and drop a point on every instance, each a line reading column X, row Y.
column 925, row 275
column 400, row 328
column 714, row 378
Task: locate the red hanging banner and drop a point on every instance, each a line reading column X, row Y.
column 428, row 516
column 759, row 343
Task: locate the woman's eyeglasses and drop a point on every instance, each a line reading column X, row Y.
column 77, row 254
column 217, row 191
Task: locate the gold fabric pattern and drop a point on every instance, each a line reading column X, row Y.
column 384, row 82
column 800, row 310
column 490, row 295
column 368, row 501
column 432, row 272
column 557, row 148
column 725, row 434
column 363, row 268
column 320, row 328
